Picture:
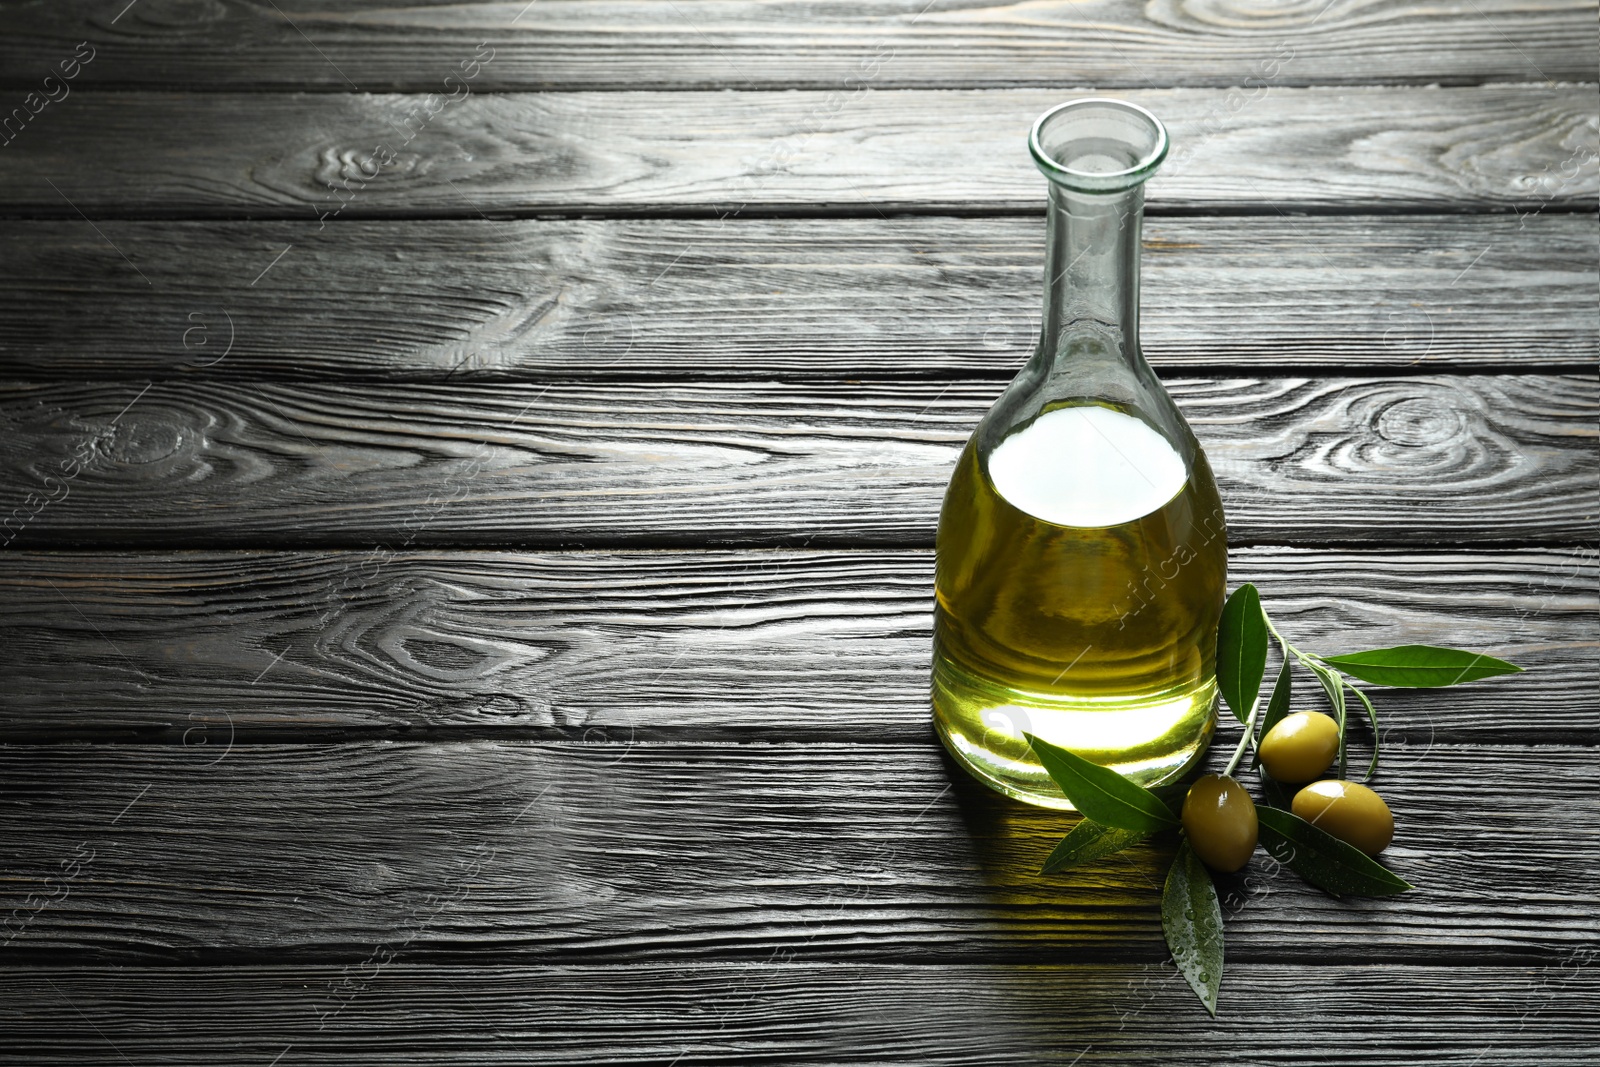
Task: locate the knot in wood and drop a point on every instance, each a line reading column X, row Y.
column 1422, row 421
column 145, row 437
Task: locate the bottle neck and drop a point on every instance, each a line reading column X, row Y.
column 1091, row 284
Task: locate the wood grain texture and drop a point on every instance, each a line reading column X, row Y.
column 692, row 852
column 840, row 298
column 203, row 648
column 1410, row 460
column 630, row 44
column 339, row 156
column 777, row 1012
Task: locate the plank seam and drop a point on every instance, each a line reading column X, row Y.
column 889, row 210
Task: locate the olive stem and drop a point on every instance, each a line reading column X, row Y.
column 1317, row 666
column 1306, row 658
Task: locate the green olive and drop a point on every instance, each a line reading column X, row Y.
column 1349, row 811
column 1300, row 747
column 1220, row 819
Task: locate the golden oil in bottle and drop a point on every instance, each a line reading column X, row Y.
column 1082, row 563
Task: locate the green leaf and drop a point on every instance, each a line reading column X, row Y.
column 1241, row 650
column 1420, row 666
column 1322, row 859
column 1278, row 706
column 1191, row 917
column 1088, row 842
column 1102, row 794
column 1372, row 717
column 1173, row 795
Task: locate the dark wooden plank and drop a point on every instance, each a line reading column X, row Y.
column 206, row 647
column 778, row 1012
column 814, row 298
column 630, row 44
column 1409, row 460
column 340, row 156
column 688, row 852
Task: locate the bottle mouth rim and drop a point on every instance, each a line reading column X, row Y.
column 1099, row 181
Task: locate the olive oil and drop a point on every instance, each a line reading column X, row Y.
column 1081, row 572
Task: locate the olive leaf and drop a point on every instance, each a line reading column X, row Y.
column 1172, row 794
column 1278, row 705
column 1088, row 842
column 1102, row 794
column 1241, row 650
column 1191, row 917
column 1420, row 666
column 1322, row 859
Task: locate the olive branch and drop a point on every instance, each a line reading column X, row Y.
column 1217, row 822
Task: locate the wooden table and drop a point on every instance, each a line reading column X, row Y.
column 472, row 472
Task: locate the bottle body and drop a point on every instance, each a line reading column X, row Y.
column 1100, row 639
column 1082, row 550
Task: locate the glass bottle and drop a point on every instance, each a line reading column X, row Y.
column 1082, row 553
